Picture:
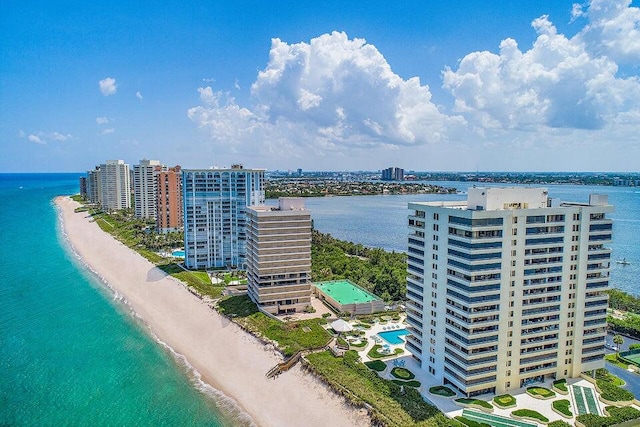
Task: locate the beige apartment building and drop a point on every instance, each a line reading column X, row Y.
column 279, row 256
column 507, row 288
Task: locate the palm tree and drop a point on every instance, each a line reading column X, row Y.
column 618, row 340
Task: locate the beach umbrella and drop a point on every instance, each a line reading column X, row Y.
column 341, row 326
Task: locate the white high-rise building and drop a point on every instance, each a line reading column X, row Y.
column 115, row 185
column 145, row 188
column 507, row 288
column 215, row 231
column 279, row 256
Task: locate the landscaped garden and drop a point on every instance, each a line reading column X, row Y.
column 504, row 401
column 474, row 402
column 561, row 386
column 563, row 407
column 402, row 373
column 375, row 352
column 613, row 393
column 540, row 392
column 441, row 390
column 531, row 414
column 616, row 416
column 376, row 365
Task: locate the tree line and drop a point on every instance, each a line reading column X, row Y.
column 378, row 271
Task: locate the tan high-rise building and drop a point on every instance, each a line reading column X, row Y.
column 279, row 256
column 145, row 188
column 507, row 288
column 169, row 199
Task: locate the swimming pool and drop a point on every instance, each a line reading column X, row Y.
column 178, row 254
column 393, row 337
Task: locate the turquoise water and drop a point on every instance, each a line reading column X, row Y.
column 69, row 353
column 393, row 337
column 178, row 254
column 381, row 221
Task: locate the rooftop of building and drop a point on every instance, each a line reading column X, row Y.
column 511, row 198
column 346, row 292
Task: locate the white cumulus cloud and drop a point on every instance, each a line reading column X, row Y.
column 107, row 131
column 560, row 82
column 330, row 94
column 108, row 86
column 139, row 95
column 42, row 137
column 102, row 120
column 36, row 139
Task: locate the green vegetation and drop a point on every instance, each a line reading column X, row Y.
column 198, row 280
column 541, row 392
column 559, row 423
column 291, row 336
column 615, row 359
column 634, row 347
column 441, row 390
column 77, row 198
column 530, row 413
column 616, row 416
column 383, row 273
column 413, row 383
column 605, row 375
column 629, row 324
column 470, row 423
column 374, row 354
column 504, row 401
column 402, row 373
column 563, row 406
column 376, row 365
column 561, row 385
column 389, row 404
column 613, row 393
column 478, row 402
column 362, row 344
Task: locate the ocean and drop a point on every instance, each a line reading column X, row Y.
column 70, row 354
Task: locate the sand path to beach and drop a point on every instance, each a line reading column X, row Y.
column 228, row 358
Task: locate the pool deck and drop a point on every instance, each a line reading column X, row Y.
column 345, row 292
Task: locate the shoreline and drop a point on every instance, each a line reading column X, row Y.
column 218, row 351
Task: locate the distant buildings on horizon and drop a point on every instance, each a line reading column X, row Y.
column 392, row 174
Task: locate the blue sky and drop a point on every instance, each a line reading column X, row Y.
column 459, row 85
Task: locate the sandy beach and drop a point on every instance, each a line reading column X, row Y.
column 228, row 358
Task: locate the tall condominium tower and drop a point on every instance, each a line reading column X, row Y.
column 507, row 288
column 393, row 174
column 214, row 202
column 145, row 189
column 279, row 256
column 169, row 199
column 115, row 185
column 94, row 189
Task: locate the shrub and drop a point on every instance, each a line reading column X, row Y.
column 504, row 401
column 561, row 385
column 529, row 413
column 559, row 423
column 441, row 390
column 616, row 416
column 563, row 406
column 326, row 315
column 402, row 373
column 613, row 393
column 478, row 402
column 634, row 346
column 412, row 383
column 376, row 365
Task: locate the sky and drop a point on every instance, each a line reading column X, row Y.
column 334, row 85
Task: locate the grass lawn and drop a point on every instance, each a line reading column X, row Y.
column 199, row 280
column 441, row 390
column 374, row 354
column 613, row 359
column 605, row 375
column 504, row 401
column 412, row 383
column 290, row 336
column 402, row 373
column 389, row 404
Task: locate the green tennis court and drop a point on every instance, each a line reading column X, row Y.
column 345, row 292
column 632, row 356
column 494, row 420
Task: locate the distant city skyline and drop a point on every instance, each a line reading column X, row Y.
column 457, row 86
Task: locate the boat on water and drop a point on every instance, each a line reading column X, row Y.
column 623, row 261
